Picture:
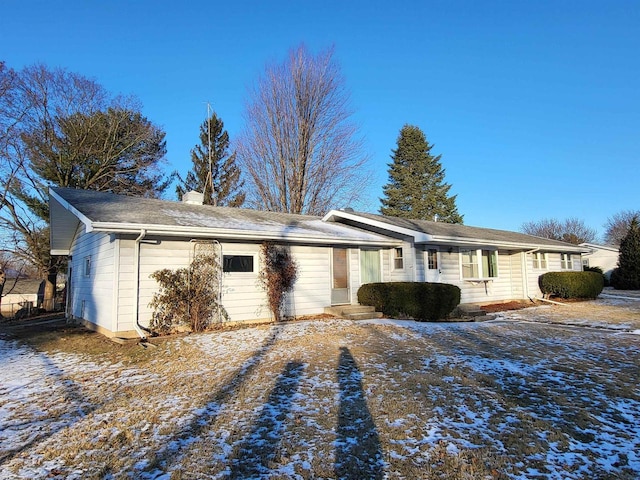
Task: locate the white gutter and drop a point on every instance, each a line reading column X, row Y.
column 316, row 238
column 136, row 288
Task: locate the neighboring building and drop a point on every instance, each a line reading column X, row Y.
column 18, row 292
column 603, row 256
column 116, row 242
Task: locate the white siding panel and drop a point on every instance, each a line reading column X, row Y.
column 312, row 290
column 92, row 296
column 493, row 290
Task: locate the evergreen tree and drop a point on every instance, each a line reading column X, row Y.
column 216, row 175
column 627, row 275
column 416, row 187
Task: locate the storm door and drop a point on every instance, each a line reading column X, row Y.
column 340, row 276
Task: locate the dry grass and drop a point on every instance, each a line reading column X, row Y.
column 333, row 398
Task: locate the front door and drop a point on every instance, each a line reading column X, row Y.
column 432, row 265
column 370, row 266
column 340, row 276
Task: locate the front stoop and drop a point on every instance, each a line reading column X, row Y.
column 353, row 312
column 472, row 313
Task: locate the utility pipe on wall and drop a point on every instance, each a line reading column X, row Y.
column 526, row 273
column 136, row 289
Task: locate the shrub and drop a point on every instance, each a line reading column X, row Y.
column 188, row 297
column 598, row 270
column 572, row 284
column 278, row 276
column 418, row 300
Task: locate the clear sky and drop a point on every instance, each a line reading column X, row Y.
column 533, row 105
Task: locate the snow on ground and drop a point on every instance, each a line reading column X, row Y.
column 375, row 399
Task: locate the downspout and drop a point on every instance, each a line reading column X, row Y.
column 526, row 273
column 136, row 290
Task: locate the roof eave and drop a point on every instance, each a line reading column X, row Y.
column 419, row 237
column 501, row 244
column 230, row 234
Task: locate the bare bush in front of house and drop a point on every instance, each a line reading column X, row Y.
column 189, row 297
column 277, row 276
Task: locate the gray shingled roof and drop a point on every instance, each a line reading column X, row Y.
column 442, row 229
column 107, row 208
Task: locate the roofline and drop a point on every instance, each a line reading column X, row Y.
column 591, row 246
column 422, row 238
column 419, row 237
column 559, row 248
column 88, row 223
column 231, row 234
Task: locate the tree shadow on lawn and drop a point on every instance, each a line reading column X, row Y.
column 77, row 406
column 176, row 447
column 259, row 448
column 358, row 453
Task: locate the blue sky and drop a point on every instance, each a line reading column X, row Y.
column 534, row 106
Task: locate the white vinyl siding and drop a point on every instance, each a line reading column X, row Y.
column 242, row 294
column 92, row 264
column 312, row 290
column 483, row 290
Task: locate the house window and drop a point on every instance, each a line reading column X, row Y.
column 398, row 261
column 478, row 264
column 237, row 263
column 540, row 260
column 432, row 259
column 565, row 261
column 87, row 266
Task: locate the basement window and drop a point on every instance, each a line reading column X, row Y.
column 237, row 263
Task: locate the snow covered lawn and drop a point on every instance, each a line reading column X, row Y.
column 509, row 398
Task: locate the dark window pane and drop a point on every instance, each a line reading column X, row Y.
column 238, row 263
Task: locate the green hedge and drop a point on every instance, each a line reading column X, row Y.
column 418, row 300
column 572, row 284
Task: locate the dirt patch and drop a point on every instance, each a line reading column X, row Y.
column 503, row 307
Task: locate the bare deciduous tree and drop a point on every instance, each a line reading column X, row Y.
column 61, row 128
column 571, row 230
column 617, row 226
column 299, row 149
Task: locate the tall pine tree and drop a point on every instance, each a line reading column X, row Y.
column 627, row 275
column 216, row 175
column 416, row 187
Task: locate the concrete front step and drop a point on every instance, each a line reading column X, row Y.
column 353, row 312
column 470, row 310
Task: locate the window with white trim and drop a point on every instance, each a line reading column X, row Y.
column 539, row 260
column 432, row 259
column 87, row 266
column 566, row 263
column 238, row 263
column 478, row 264
column 398, row 259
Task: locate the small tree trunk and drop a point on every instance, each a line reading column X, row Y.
column 50, row 290
column 3, row 279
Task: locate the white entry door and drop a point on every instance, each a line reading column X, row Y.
column 432, row 265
